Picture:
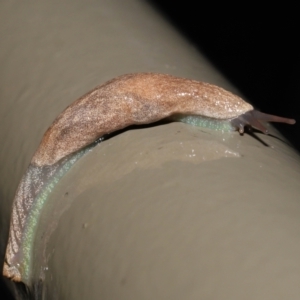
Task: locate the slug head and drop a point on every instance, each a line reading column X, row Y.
column 253, row 117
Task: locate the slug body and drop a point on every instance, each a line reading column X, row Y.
column 131, row 99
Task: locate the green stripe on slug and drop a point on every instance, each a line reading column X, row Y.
column 26, row 248
column 220, row 125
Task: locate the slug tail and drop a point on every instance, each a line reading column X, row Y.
column 31, row 196
column 30, row 186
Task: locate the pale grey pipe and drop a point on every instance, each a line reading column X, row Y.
column 171, row 212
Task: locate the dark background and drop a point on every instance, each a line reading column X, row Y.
column 257, row 50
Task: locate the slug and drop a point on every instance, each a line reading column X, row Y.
column 130, row 99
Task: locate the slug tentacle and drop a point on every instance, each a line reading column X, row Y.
column 253, row 118
column 131, row 99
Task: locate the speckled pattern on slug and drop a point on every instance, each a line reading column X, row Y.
column 133, row 99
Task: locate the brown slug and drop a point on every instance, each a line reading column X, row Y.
column 131, row 99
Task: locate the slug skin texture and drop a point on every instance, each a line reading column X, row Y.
column 130, row 99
